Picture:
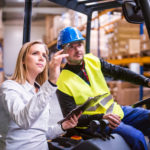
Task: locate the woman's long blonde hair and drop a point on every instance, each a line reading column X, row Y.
column 20, row 74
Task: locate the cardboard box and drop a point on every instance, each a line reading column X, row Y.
column 127, row 96
column 126, row 93
column 144, row 37
column 124, row 24
column 123, row 85
column 130, row 96
column 145, row 45
column 134, row 46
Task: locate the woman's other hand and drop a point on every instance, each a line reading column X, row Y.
column 71, row 123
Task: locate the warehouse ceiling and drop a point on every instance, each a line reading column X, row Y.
column 14, row 9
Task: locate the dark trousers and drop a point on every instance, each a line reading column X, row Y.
column 135, row 124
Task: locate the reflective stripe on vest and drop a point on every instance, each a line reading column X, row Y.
column 103, row 102
column 110, row 109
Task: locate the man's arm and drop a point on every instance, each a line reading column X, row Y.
column 121, row 73
column 67, row 104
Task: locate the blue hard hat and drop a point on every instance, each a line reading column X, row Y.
column 68, row 35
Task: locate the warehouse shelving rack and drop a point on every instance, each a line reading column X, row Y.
column 87, row 7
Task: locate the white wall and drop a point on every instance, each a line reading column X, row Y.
column 13, row 37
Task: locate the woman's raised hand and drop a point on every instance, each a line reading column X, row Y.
column 54, row 65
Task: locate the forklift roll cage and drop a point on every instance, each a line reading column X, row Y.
column 87, row 7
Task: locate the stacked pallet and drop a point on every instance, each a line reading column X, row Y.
column 53, row 25
column 145, row 41
column 125, row 41
column 103, row 50
column 145, row 50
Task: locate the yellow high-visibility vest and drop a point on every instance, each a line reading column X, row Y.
column 73, row 85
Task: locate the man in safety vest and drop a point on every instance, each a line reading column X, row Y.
column 83, row 77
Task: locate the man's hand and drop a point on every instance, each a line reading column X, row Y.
column 54, row 65
column 114, row 120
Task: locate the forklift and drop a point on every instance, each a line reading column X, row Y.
column 135, row 11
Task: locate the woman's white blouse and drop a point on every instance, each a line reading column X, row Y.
column 29, row 113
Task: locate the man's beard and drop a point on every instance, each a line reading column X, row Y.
column 74, row 62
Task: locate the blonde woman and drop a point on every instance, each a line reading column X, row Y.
column 26, row 97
